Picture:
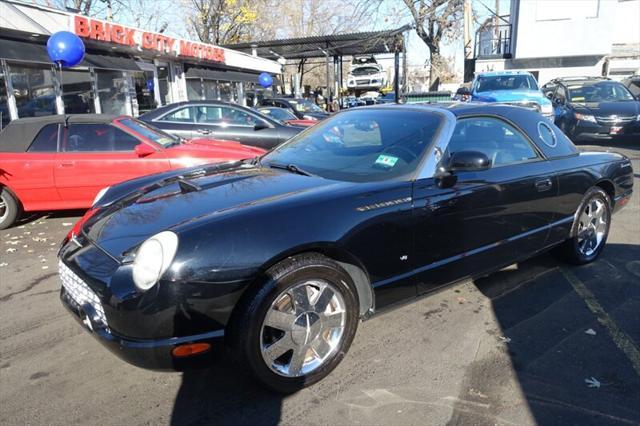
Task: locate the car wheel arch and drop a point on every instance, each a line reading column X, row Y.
column 13, row 194
column 350, row 263
column 608, row 187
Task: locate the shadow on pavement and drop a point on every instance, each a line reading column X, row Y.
column 222, row 395
column 572, row 334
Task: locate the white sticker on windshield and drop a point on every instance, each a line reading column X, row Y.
column 386, row 160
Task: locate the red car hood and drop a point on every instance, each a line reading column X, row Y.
column 303, row 123
column 219, row 148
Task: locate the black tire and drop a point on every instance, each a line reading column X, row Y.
column 244, row 330
column 570, row 249
column 9, row 208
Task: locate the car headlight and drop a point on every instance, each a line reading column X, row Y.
column 100, row 195
column 546, row 109
column 638, row 117
column 586, row 117
column 153, row 258
column 308, row 117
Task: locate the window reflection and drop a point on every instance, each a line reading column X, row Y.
column 143, row 81
column 77, row 92
column 4, row 102
column 33, row 91
column 111, row 89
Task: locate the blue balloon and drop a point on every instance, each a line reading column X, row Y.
column 65, row 48
column 265, row 79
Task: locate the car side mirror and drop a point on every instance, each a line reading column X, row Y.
column 143, row 150
column 260, row 125
column 468, row 161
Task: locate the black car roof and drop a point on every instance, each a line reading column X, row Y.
column 19, row 134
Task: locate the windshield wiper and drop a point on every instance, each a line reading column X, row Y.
column 291, row 168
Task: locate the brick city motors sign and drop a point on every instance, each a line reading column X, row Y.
column 95, row 29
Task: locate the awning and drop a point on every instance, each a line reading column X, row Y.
column 21, row 51
column 224, row 75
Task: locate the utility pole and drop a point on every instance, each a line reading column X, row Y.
column 468, row 48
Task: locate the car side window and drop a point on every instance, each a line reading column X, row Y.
column 561, row 94
column 498, row 140
column 224, row 115
column 97, row 138
column 46, row 140
column 182, row 115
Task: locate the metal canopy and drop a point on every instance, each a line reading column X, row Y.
column 365, row 43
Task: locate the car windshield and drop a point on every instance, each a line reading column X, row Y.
column 506, row 82
column 361, row 145
column 606, row 91
column 303, row 105
column 280, row 114
column 365, row 70
column 151, row 133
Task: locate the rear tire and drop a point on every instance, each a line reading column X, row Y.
column 590, row 229
column 9, row 208
column 294, row 329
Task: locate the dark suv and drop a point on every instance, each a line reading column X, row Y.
column 595, row 108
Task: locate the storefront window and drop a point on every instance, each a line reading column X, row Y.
column 226, row 91
column 211, row 92
column 163, row 82
column 194, row 89
column 111, row 90
column 77, row 92
column 4, row 101
column 143, row 81
column 33, row 91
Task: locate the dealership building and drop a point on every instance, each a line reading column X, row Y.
column 125, row 70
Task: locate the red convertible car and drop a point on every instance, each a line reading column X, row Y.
column 62, row 162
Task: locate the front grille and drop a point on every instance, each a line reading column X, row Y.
column 615, row 119
column 80, row 292
column 362, row 81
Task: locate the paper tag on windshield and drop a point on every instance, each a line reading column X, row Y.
column 386, row 160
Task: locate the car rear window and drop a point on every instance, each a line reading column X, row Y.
column 46, row 140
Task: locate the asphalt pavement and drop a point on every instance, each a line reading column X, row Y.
column 536, row 343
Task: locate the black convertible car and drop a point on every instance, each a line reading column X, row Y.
column 278, row 258
column 220, row 120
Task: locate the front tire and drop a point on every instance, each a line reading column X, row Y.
column 590, row 229
column 9, row 208
column 295, row 328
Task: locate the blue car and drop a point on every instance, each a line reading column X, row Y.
column 511, row 87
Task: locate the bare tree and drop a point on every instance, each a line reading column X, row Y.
column 435, row 20
column 221, row 21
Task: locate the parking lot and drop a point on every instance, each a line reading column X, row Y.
column 538, row 342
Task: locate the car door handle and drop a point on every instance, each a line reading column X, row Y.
column 203, row 131
column 544, row 185
column 66, row 164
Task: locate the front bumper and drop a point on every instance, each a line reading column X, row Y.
column 144, row 353
column 589, row 131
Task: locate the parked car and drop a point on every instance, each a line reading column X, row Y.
column 62, row 162
column 304, row 109
column 387, row 98
column 595, row 108
column 366, row 74
column 633, row 84
column 220, row 120
column 285, row 116
column 279, row 258
column 509, row 87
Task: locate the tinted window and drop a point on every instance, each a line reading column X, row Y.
column 361, row 145
column 606, row 91
column 498, row 140
column 182, row 115
column 224, row 115
column 46, row 140
column 561, row 94
column 97, row 138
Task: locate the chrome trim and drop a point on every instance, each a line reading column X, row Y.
column 439, row 146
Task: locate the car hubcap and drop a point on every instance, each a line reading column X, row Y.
column 592, row 227
column 3, row 208
column 303, row 328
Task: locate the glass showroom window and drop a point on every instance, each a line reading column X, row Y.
column 194, row 89
column 33, row 90
column 143, row 82
column 77, row 92
column 163, row 83
column 112, row 92
column 211, row 92
column 226, row 91
column 4, row 101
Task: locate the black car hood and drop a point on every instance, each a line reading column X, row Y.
column 605, row 109
column 173, row 202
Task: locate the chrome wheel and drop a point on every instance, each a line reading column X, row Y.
column 592, row 226
column 303, row 328
column 4, row 211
